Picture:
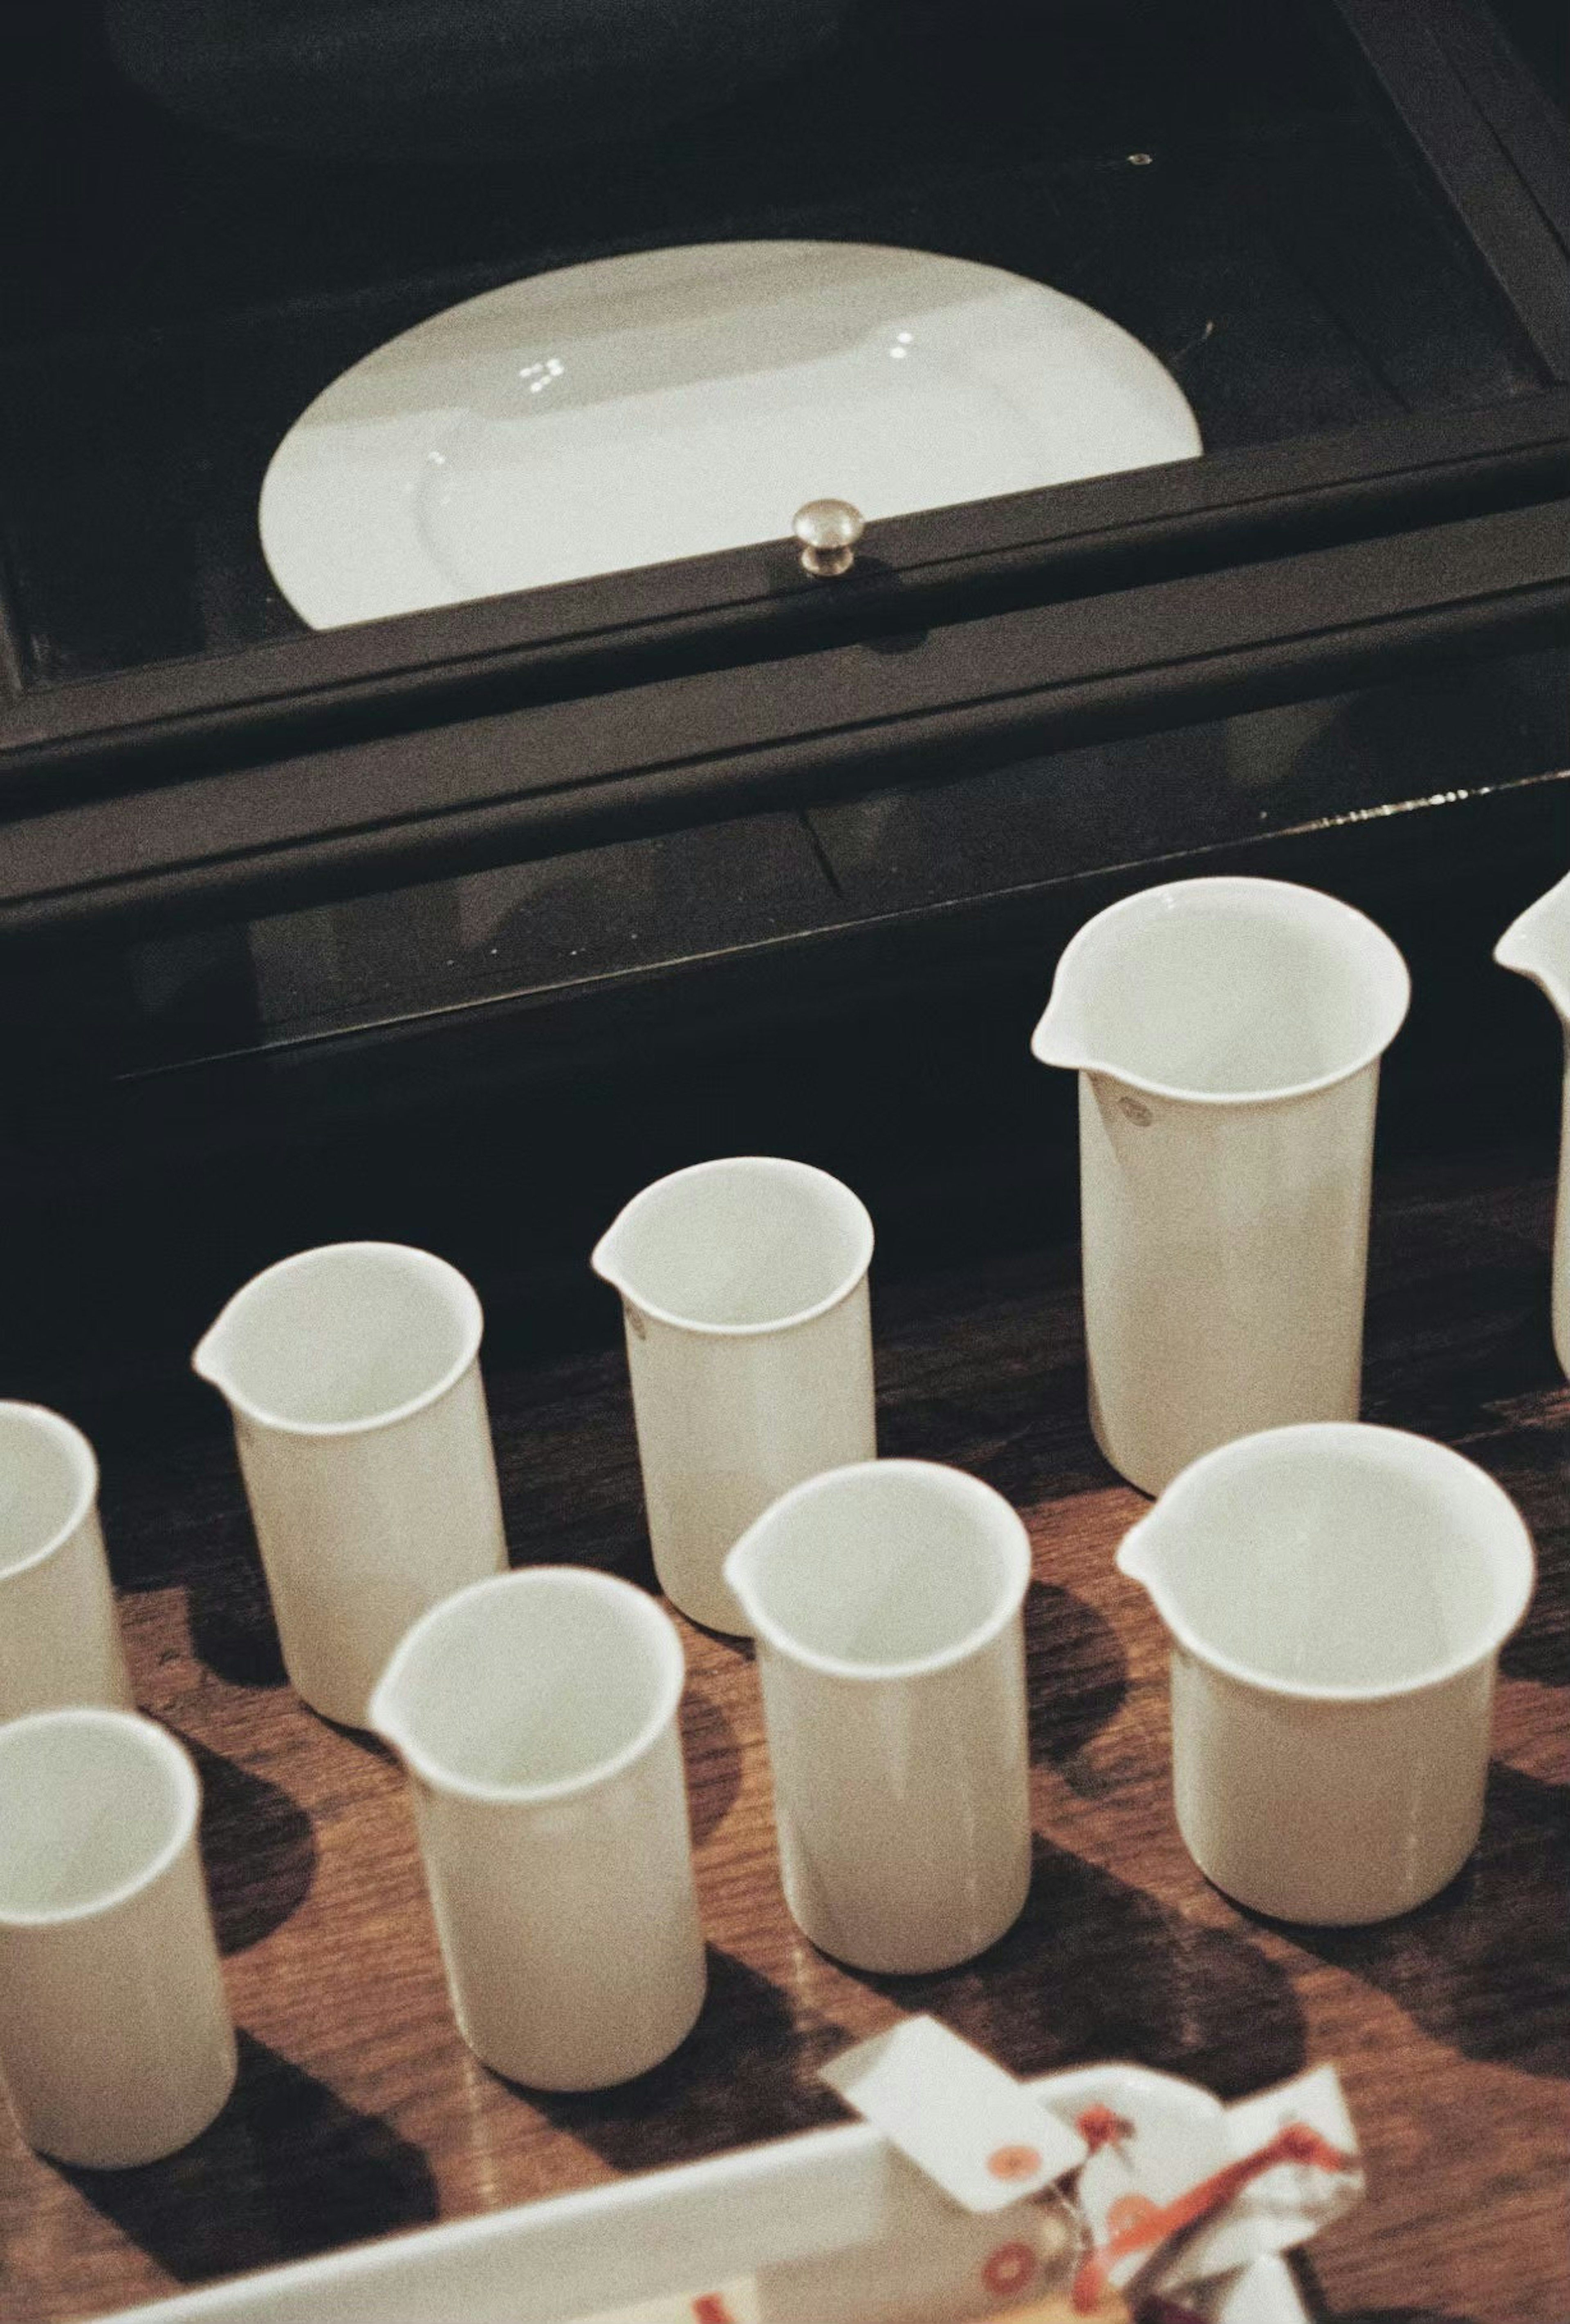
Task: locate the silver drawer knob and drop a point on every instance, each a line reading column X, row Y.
column 829, row 532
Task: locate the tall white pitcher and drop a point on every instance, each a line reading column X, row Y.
column 1537, row 946
column 1227, row 1035
column 536, row 1714
column 352, row 1376
column 1337, row 1598
column 886, row 1598
column 743, row 1286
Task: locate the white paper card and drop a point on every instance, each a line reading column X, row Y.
column 1163, row 2156
column 958, row 2115
column 1288, row 2204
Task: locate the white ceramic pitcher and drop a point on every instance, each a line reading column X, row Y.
column 115, row 2041
column 1537, row 946
column 536, row 1714
column 887, row 1600
column 1227, row 1035
column 743, row 1285
column 59, row 1637
column 1336, row 1597
column 353, row 1375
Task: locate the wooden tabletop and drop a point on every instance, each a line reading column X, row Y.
column 359, row 2109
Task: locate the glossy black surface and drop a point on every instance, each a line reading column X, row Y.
column 490, row 1066
column 557, row 931
column 1539, row 32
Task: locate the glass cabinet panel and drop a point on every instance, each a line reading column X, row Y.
column 234, row 203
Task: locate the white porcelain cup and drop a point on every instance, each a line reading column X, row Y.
column 1227, row 1033
column 1536, row 945
column 743, row 1284
column 1336, row 1597
column 887, row 1602
column 352, row 1376
column 536, row 1715
column 59, row 1641
column 117, row 2046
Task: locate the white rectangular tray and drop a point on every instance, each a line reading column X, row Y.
column 831, row 2227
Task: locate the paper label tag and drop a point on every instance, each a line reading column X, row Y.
column 1295, row 2201
column 975, row 2131
column 1143, row 2176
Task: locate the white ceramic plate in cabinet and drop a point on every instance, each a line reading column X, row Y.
column 674, row 402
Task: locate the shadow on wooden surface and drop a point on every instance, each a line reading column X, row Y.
column 286, row 2170
column 1485, row 1967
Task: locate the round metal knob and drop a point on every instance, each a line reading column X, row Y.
column 829, row 532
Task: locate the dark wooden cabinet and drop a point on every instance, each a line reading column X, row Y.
column 1344, row 227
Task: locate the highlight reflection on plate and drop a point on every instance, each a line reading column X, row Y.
column 639, row 409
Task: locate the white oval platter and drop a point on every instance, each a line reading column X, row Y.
column 660, row 405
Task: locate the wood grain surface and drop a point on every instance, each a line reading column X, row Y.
column 359, row 2109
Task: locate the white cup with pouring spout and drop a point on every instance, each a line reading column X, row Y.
column 59, row 1637
column 116, row 2046
column 743, row 1286
column 1227, row 1035
column 352, row 1376
column 536, row 1714
column 1336, row 1596
column 887, row 1599
column 1536, row 945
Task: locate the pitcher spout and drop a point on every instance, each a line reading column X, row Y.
column 1059, row 1039
column 1132, row 1555
column 740, row 1575
column 1145, row 1554
column 208, row 1358
column 383, row 1720
column 607, row 1259
column 1536, row 945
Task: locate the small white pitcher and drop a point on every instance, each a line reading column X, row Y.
column 887, row 1602
column 1537, row 946
column 60, row 1637
column 743, row 1286
column 117, row 2046
column 1227, row 1035
column 536, row 1714
column 1336, row 1597
column 353, row 1375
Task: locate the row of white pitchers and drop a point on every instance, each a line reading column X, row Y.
column 1336, row 1597
column 1227, row 1033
